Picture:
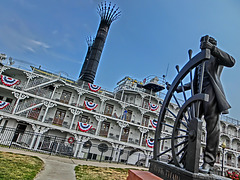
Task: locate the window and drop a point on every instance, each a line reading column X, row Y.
column 1, row 98
column 145, row 103
column 59, row 117
column 89, row 99
column 65, row 97
column 104, row 129
column 125, row 133
column 34, row 113
column 108, row 110
column 9, row 100
column 145, row 120
column 85, row 119
column 128, row 115
column 145, row 135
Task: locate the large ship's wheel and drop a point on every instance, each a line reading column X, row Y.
column 184, row 131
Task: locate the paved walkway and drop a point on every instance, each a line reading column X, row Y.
column 62, row 168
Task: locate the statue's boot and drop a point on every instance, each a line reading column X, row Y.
column 205, row 168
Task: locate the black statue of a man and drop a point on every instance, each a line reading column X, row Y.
column 217, row 103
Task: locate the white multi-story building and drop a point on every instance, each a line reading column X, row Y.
column 44, row 112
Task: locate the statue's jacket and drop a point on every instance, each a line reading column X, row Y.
column 214, row 67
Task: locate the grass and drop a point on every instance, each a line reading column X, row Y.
column 84, row 172
column 18, row 166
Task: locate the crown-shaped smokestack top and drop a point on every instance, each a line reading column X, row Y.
column 108, row 13
column 90, row 41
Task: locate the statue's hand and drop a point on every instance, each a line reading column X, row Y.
column 207, row 45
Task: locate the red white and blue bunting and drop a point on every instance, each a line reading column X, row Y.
column 154, row 123
column 8, row 81
column 93, row 87
column 150, row 142
column 90, row 105
column 3, row 104
column 153, row 107
column 84, row 127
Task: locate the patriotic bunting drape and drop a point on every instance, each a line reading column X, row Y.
column 150, row 143
column 84, row 127
column 154, row 123
column 93, row 87
column 153, row 107
column 8, row 81
column 90, row 105
column 3, row 104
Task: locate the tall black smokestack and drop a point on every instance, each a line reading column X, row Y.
column 108, row 14
column 90, row 41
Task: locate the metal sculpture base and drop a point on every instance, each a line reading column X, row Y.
column 171, row 172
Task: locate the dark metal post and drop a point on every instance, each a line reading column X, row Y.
column 138, row 159
column 101, row 156
column 223, row 148
column 111, row 155
column 53, row 145
column 128, row 157
column 88, row 152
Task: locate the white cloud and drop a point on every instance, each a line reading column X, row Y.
column 29, row 48
column 40, row 44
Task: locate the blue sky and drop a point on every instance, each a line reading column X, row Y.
column 149, row 36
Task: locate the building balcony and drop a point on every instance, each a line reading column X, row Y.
column 103, row 133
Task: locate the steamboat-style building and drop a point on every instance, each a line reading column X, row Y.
column 122, row 121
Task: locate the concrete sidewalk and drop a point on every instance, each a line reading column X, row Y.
column 62, row 168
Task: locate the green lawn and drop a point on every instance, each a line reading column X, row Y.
column 84, row 172
column 18, row 166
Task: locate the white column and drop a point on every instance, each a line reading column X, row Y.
column 120, row 147
column 83, row 140
column 54, row 90
column 48, row 105
column 75, row 112
column 30, row 76
column 80, row 93
column 36, row 130
column 77, row 138
column 142, row 130
column 100, row 119
column 19, row 96
column 42, row 130
column 122, row 125
column 142, row 113
column 122, row 95
column 147, row 154
column 114, row 146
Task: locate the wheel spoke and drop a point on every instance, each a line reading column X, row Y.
column 179, row 106
column 184, row 148
column 183, row 136
column 167, row 125
column 164, row 138
column 164, row 152
column 183, row 91
column 171, row 112
column 183, row 130
column 181, row 143
column 176, row 101
column 183, row 156
column 183, row 123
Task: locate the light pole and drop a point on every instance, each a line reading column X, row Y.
column 223, row 145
